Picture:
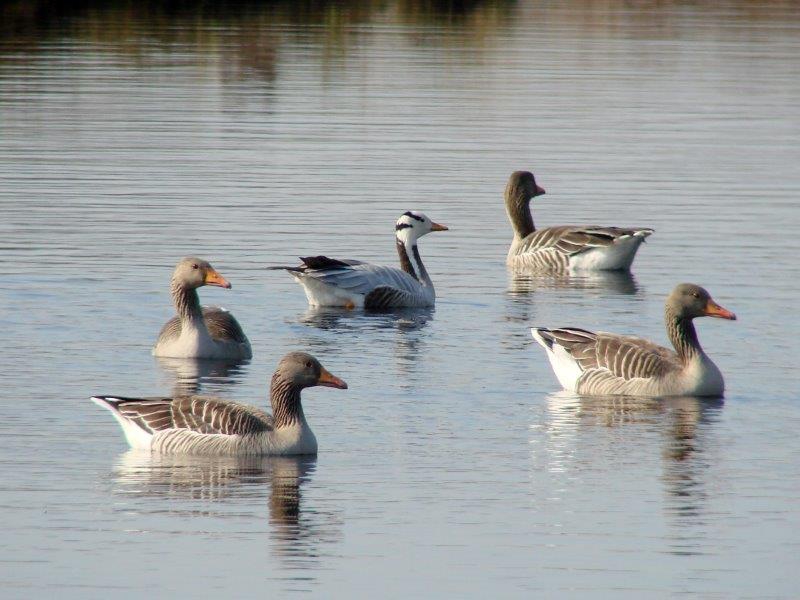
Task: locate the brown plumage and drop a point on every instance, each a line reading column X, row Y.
column 200, row 332
column 606, row 363
column 206, row 425
column 564, row 247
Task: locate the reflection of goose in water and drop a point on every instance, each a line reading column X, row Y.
column 237, row 481
column 189, row 374
column 683, row 421
column 623, row 283
column 406, row 323
column 524, row 286
column 343, row 320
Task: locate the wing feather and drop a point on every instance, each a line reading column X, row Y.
column 358, row 277
column 625, row 357
column 568, row 240
column 387, row 297
column 200, row 414
column 221, row 325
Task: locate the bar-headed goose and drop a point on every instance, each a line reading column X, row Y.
column 211, row 426
column 352, row 283
column 200, row 332
column 564, row 247
column 598, row 364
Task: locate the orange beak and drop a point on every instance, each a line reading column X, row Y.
column 329, row 380
column 715, row 310
column 214, row 278
column 437, row 227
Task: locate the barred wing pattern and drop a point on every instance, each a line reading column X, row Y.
column 221, row 325
column 387, row 297
column 608, row 361
column 552, row 247
column 199, row 414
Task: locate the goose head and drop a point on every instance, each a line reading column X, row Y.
column 192, row 272
column 522, row 187
column 303, row 370
column 690, row 301
column 413, row 224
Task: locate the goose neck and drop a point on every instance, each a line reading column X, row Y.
column 187, row 303
column 410, row 260
column 519, row 212
column 683, row 336
column 284, row 396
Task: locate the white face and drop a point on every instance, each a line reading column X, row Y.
column 414, row 224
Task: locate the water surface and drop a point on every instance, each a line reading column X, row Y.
column 250, row 134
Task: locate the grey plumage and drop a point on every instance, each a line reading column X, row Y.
column 200, row 414
column 350, row 283
column 195, row 331
column 606, row 363
column 552, row 247
column 220, row 324
column 195, row 424
column 564, row 247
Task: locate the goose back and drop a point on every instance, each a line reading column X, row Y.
column 221, row 325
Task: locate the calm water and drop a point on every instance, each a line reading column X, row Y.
column 130, row 137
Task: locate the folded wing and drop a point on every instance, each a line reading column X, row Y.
column 198, row 414
column 623, row 357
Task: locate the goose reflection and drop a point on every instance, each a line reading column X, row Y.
column 189, row 374
column 522, row 310
column 403, row 325
column 623, row 283
column 684, row 422
column 241, row 482
column 342, row 320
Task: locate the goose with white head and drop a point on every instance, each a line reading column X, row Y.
column 599, row 364
column 564, row 248
column 211, row 426
column 357, row 284
column 200, row 332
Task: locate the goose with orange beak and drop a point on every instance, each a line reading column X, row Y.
column 215, row 427
column 607, row 364
column 357, row 284
column 200, row 332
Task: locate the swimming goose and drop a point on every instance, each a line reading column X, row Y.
column 599, row 364
column 352, row 283
column 564, row 247
column 207, row 332
column 211, row 426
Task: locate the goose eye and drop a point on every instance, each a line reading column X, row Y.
column 308, row 364
column 195, row 266
column 695, row 294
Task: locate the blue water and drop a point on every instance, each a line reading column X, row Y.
column 453, row 466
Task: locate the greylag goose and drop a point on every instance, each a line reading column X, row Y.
column 599, row 364
column 211, row 426
column 352, row 283
column 200, row 332
column 564, row 247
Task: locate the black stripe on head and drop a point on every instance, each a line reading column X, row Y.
column 408, row 213
column 400, row 226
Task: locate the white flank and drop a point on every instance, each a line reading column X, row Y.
column 566, row 368
column 136, row 436
column 322, row 294
column 617, row 256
